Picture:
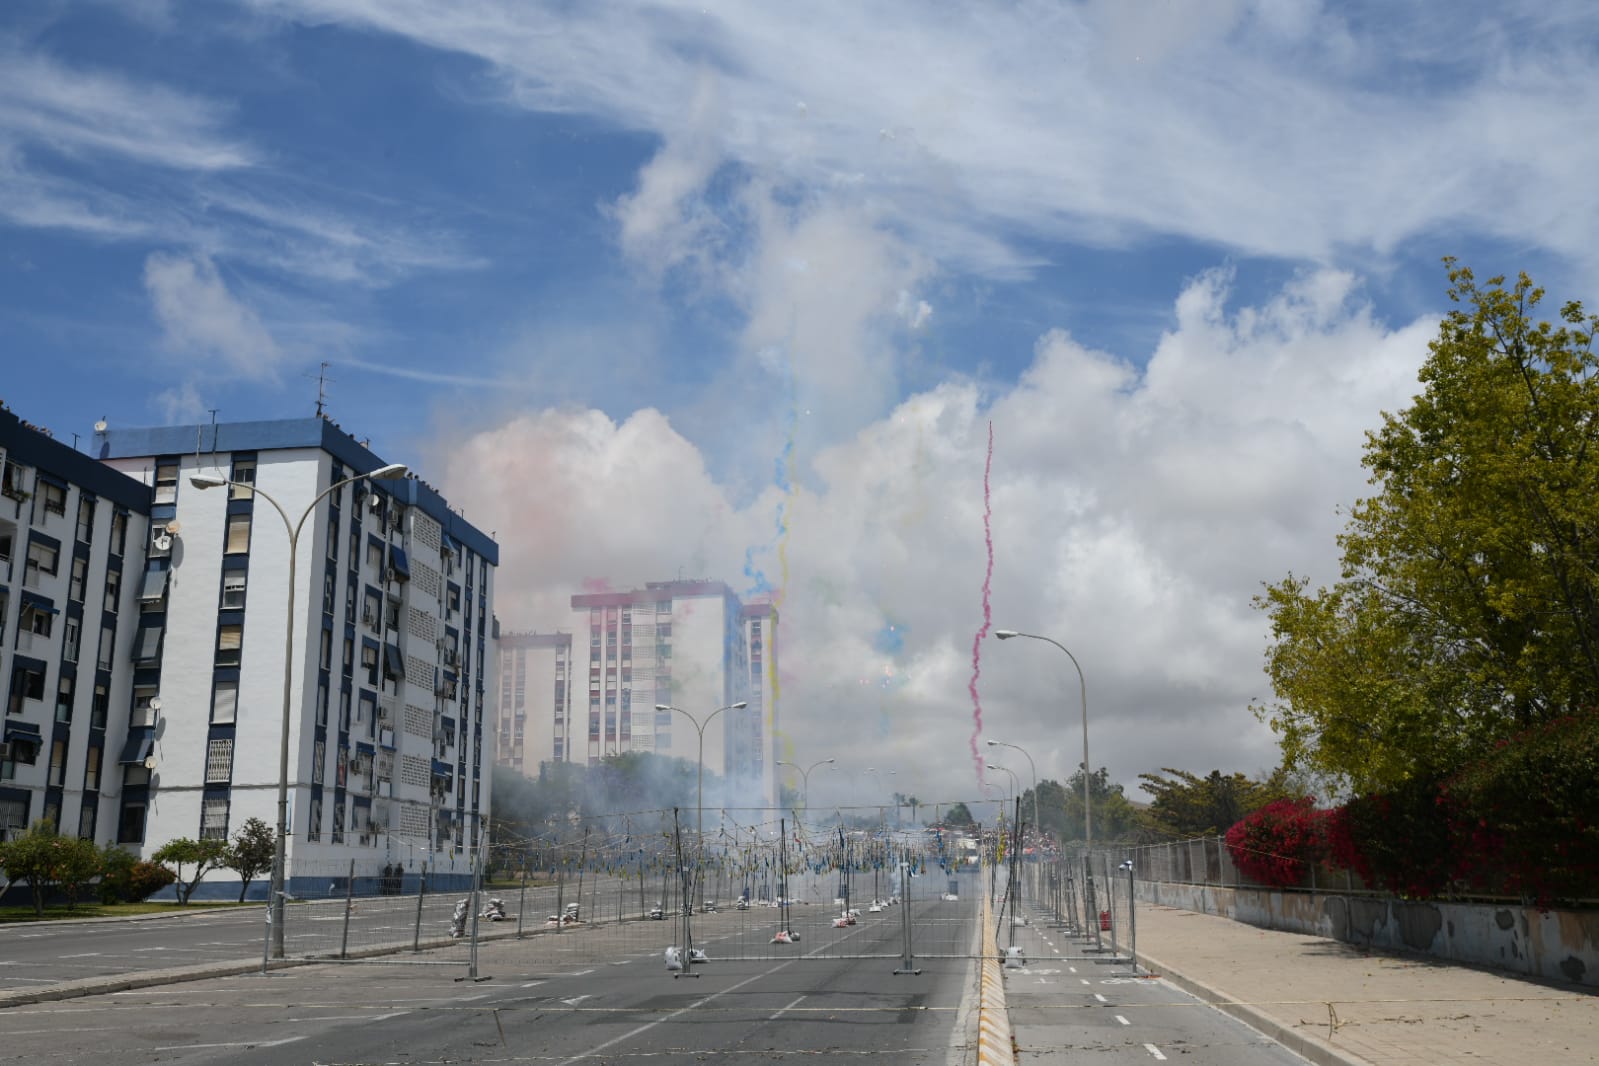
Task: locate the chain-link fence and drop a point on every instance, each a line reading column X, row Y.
column 1206, row 861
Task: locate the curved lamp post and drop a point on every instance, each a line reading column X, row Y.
column 805, row 776
column 280, row 854
column 1088, row 821
column 699, row 727
column 1001, row 744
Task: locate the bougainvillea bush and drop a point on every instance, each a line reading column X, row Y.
column 1527, row 815
column 1401, row 840
column 1278, row 844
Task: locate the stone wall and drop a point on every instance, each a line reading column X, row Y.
column 1555, row 945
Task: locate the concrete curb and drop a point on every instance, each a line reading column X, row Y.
column 122, row 982
column 995, row 1045
column 1306, row 1045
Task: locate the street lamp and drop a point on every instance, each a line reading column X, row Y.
column 1088, row 821
column 805, row 776
column 699, row 727
column 1015, row 783
column 1001, row 744
column 280, row 855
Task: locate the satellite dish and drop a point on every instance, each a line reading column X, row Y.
column 163, row 543
column 100, row 426
column 149, row 762
column 174, row 527
column 155, row 703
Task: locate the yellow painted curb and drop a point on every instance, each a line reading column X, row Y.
column 994, row 1046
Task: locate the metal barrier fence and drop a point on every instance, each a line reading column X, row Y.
column 1206, row 861
column 903, row 913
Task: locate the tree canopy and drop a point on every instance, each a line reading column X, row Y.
column 1187, row 805
column 1468, row 606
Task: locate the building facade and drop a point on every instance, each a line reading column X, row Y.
column 685, row 644
column 392, row 639
column 72, row 544
column 535, row 672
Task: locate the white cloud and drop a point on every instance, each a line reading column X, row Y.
column 1296, row 130
column 203, row 321
column 1135, row 514
column 180, row 404
column 77, row 110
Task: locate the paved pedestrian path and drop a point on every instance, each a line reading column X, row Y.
column 1340, row 1005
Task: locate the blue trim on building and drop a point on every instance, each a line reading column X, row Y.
column 30, row 447
column 288, row 433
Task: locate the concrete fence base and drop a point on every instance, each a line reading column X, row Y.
column 1553, row 945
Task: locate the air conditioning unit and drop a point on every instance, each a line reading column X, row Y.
column 388, row 575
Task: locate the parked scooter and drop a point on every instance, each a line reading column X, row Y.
column 494, row 910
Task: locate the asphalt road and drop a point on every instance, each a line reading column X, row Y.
column 535, row 1008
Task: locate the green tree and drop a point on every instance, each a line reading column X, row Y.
column 202, row 855
column 1468, row 606
column 34, row 857
column 251, row 853
column 1060, row 807
column 77, row 863
column 116, row 874
column 1187, row 805
column 959, row 816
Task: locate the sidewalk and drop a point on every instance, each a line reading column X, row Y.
column 1338, row 1005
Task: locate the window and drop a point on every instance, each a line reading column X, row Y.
column 98, row 708
column 243, row 480
column 348, row 664
column 54, row 497
column 108, row 647
column 166, row 481
column 328, row 581
column 338, row 821
column 40, row 622
column 130, row 829
column 91, row 770
column 80, row 574
column 86, row 519
column 374, row 555
column 313, row 829
column 69, row 647
column 229, row 640
column 119, row 534
column 325, row 650
column 214, row 818
column 64, row 699
column 147, row 650
column 58, row 763
column 86, row 820
column 344, row 711
column 42, row 559
column 219, row 761
column 369, row 663
column 372, row 611
column 233, row 582
column 333, row 537
column 238, row 534
column 322, row 705
column 225, row 703
column 144, row 707
column 319, row 754
column 5, row 547
column 113, row 589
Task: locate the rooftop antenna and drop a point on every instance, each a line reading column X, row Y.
column 322, row 380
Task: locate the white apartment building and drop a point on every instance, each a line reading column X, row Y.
column 72, row 536
column 687, row 644
column 534, row 672
column 392, row 633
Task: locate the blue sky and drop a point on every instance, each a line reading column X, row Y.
column 1134, row 233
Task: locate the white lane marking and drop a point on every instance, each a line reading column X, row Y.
column 1101, row 998
column 1085, row 980
column 575, row 1000
column 246, row 1044
column 647, row 1026
column 472, row 999
column 532, row 984
column 1155, row 1051
column 82, row 955
column 1124, row 1021
column 1073, row 969
column 791, row 1006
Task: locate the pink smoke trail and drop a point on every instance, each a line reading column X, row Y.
column 988, row 615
